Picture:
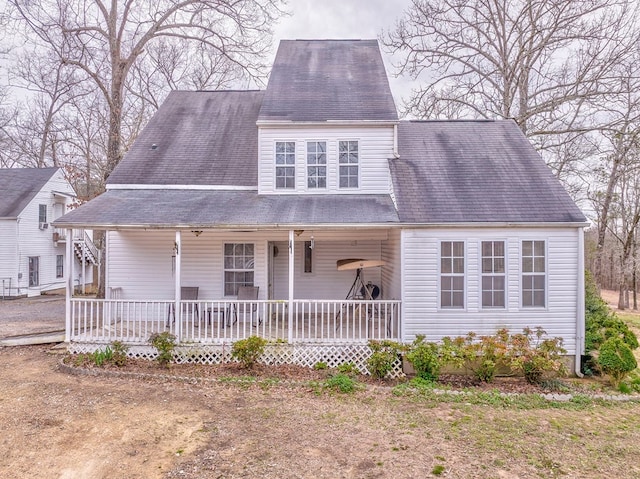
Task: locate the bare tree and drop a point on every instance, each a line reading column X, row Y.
column 539, row 62
column 106, row 40
column 612, row 189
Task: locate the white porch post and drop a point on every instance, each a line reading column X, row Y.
column 84, row 254
column 69, row 289
column 178, row 310
column 291, row 271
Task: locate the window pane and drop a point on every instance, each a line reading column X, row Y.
column 445, row 248
column 527, row 298
column 527, row 265
column 538, row 264
column 498, row 265
column 458, row 283
column 458, row 248
column 458, row 299
column 445, row 265
column 487, row 265
column 527, row 248
column 538, row 299
column 538, row 247
column 487, row 248
column 458, row 265
column 445, row 299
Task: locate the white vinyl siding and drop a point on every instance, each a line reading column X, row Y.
column 421, row 311
column 141, row 263
column 375, row 147
column 392, row 269
column 326, row 282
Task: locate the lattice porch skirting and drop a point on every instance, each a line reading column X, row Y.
column 305, row 354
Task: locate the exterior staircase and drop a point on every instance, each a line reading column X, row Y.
column 85, row 249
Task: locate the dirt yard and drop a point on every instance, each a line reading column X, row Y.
column 59, row 425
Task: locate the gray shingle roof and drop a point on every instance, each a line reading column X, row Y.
column 208, row 209
column 475, row 171
column 201, row 138
column 18, row 186
column 321, row 80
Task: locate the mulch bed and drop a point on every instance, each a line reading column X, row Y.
column 293, row 373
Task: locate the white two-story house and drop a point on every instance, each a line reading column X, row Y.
column 309, row 213
column 32, row 252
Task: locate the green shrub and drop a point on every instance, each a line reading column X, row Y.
column 535, row 356
column 384, row 356
column 600, row 322
column 320, row 365
column 429, row 358
column 164, row 343
column 484, row 356
column 341, row 383
column 101, row 356
column 119, row 353
column 616, row 359
column 248, row 350
column 348, row 369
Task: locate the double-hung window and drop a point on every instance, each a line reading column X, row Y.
column 493, row 274
column 316, row 164
column 238, row 267
column 348, row 163
column 59, row 266
column 34, row 271
column 42, row 214
column 285, row 164
column 452, row 277
column 534, row 277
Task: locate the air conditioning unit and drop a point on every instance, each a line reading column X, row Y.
column 43, row 226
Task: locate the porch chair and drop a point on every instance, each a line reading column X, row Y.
column 247, row 293
column 187, row 293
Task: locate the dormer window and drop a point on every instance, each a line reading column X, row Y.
column 285, row 164
column 316, row 164
column 348, row 159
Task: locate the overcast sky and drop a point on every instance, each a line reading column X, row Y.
column 333, row 19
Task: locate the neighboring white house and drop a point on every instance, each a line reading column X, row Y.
column 32, row 255
column 458, row 225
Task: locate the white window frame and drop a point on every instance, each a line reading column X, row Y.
column 59, row 266
column 243, row 264
column 542, row 261
column 492, row 274
column 308, row 166
column 34, row 271
column 444, row 274
column 348, row 164
column 287, row 156
column 43, row 214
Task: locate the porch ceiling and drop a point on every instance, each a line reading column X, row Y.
column 224, row 208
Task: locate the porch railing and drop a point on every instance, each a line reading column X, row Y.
column 314, row 321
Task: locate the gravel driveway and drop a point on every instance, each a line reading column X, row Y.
column 40, row 314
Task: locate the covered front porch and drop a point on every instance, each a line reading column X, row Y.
column 187, row 282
